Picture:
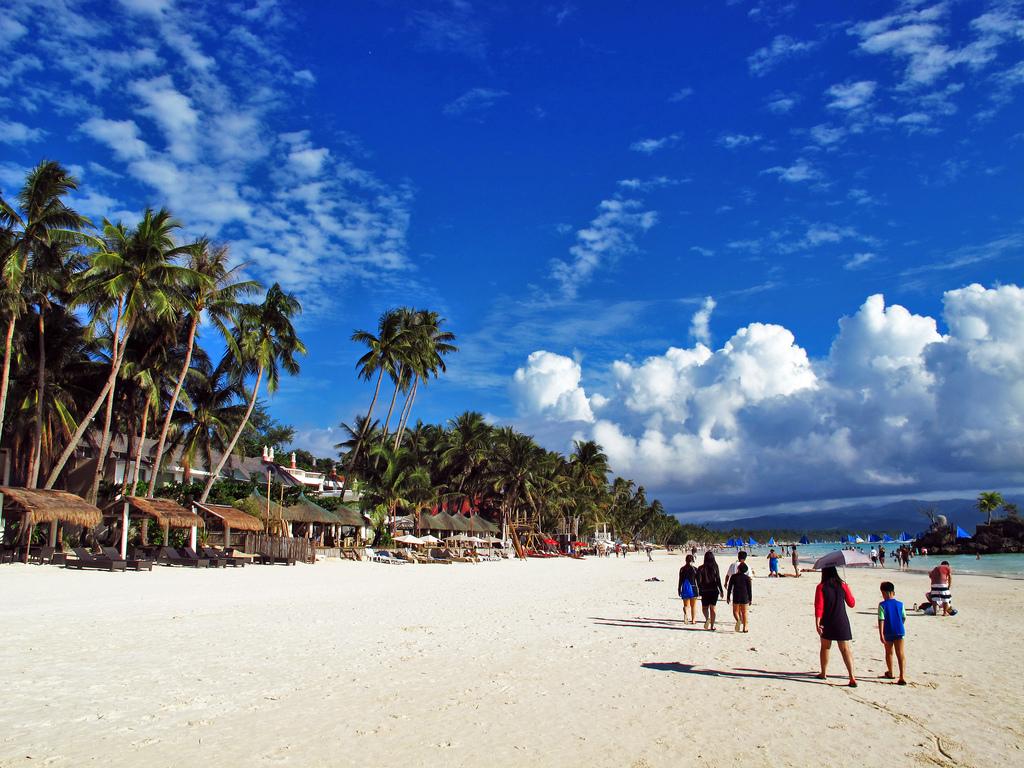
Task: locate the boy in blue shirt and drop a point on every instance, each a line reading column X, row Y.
column 891, row 629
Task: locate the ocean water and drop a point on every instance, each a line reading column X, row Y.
column 1010, row 565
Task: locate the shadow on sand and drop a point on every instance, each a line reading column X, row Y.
column 639, row 622
column 739, row 672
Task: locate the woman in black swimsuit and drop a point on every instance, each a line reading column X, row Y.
column 709, row 582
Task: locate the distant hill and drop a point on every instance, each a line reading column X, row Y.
column 905, row 515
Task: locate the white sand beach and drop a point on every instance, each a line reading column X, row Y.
column 549, row 662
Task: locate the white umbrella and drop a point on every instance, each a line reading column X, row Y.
column 408, row 538
column 429, row 539
column 841, row 558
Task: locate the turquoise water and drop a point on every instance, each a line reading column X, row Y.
column 988, row 565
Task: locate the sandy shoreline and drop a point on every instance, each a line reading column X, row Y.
column 544, row 663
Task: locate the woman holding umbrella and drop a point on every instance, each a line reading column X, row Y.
column 831, row 597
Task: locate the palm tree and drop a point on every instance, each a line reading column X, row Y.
column 465, row 452
column 263, row 342
column 382, row 356
column 44, row 222
column 405, row 352
column 216, row 407
column 133, row 276
column 516, row 463
column 988, row 502
column 402, row 481
column 218, row 296
column 430, row 345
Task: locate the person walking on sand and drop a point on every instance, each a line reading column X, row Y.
column 741, row 557
column 687, row 589
column 796, row 561
column 831, row 597
column 892, row 630
column 709, row 584
column 741, row 594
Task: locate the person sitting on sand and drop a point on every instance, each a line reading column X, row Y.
column 941, row 596
column 741, row 594
column 831, row 597
column 709, row 584
column 687, row 589
column 773, row 565
column 892, row 630
column 741, row 557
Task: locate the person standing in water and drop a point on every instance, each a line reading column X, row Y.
column 709, row 583
column 831, row 597
column 687, row 589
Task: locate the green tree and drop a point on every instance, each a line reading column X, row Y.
column 133, row 276
column 217, row 295
column 988, row 502
column 263, row 343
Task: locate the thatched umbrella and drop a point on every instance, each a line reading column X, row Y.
column 37, row 505
column 229, row 519
column 168, row 513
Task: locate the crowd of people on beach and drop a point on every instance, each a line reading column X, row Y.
column 832, row 596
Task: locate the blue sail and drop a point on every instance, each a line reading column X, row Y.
column 961, row 533
column 804, row 539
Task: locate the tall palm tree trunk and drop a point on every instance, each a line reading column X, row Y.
column 238, row 433
column 406, row 411
column 5, row 376
column 37, row 428
column 137, row 466
column 83, row 425
column 158, row 458
column 362, row 434
column 101, row 458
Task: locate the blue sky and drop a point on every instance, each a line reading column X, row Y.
column 646, row 225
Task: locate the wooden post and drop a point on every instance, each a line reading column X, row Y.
column 167, row 534
column 53, row 533
column 144, row 531
column 227, row 535
column 28, row 542
column 192, row 537
column 124, row 531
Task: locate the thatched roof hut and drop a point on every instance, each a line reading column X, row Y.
column 38, row 505
column 477, row 523
column 167, row 513
column 229, row 517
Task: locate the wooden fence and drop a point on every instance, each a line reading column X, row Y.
column 300, row 550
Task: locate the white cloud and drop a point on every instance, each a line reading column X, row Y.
column 549, row 385
column 646, row 185
column 171, row 110
column 474, row 101
column 308, row 161
column 700, row 323
column 11, row 30
column 149, row 7
column 781, row 48
column 850, row 96
column 681, row 95
column 859, row 260
column 650, row 146
column 18, row 133
column 609, row 236
column 799, row 171
column 735, row 140
column 781, row 103
column 121, row 136
column 895, row 407
column 827, row 135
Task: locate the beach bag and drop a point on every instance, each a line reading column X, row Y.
column 689, row 592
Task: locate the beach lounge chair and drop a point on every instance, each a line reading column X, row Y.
column 171, row 556
column 407, row 556
column 133, row 564
column 213, row 553
column 390, row 557
column 47, row 556
column 379, row 557
column 190, row 554
column 86, row 559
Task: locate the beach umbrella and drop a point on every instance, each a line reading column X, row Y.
column 961, row 533
column 408, row 539
column 771, row 542
column 873, row 539
column 887, row 538
column 842, row 558
column 804, row 539
column 429, row 539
